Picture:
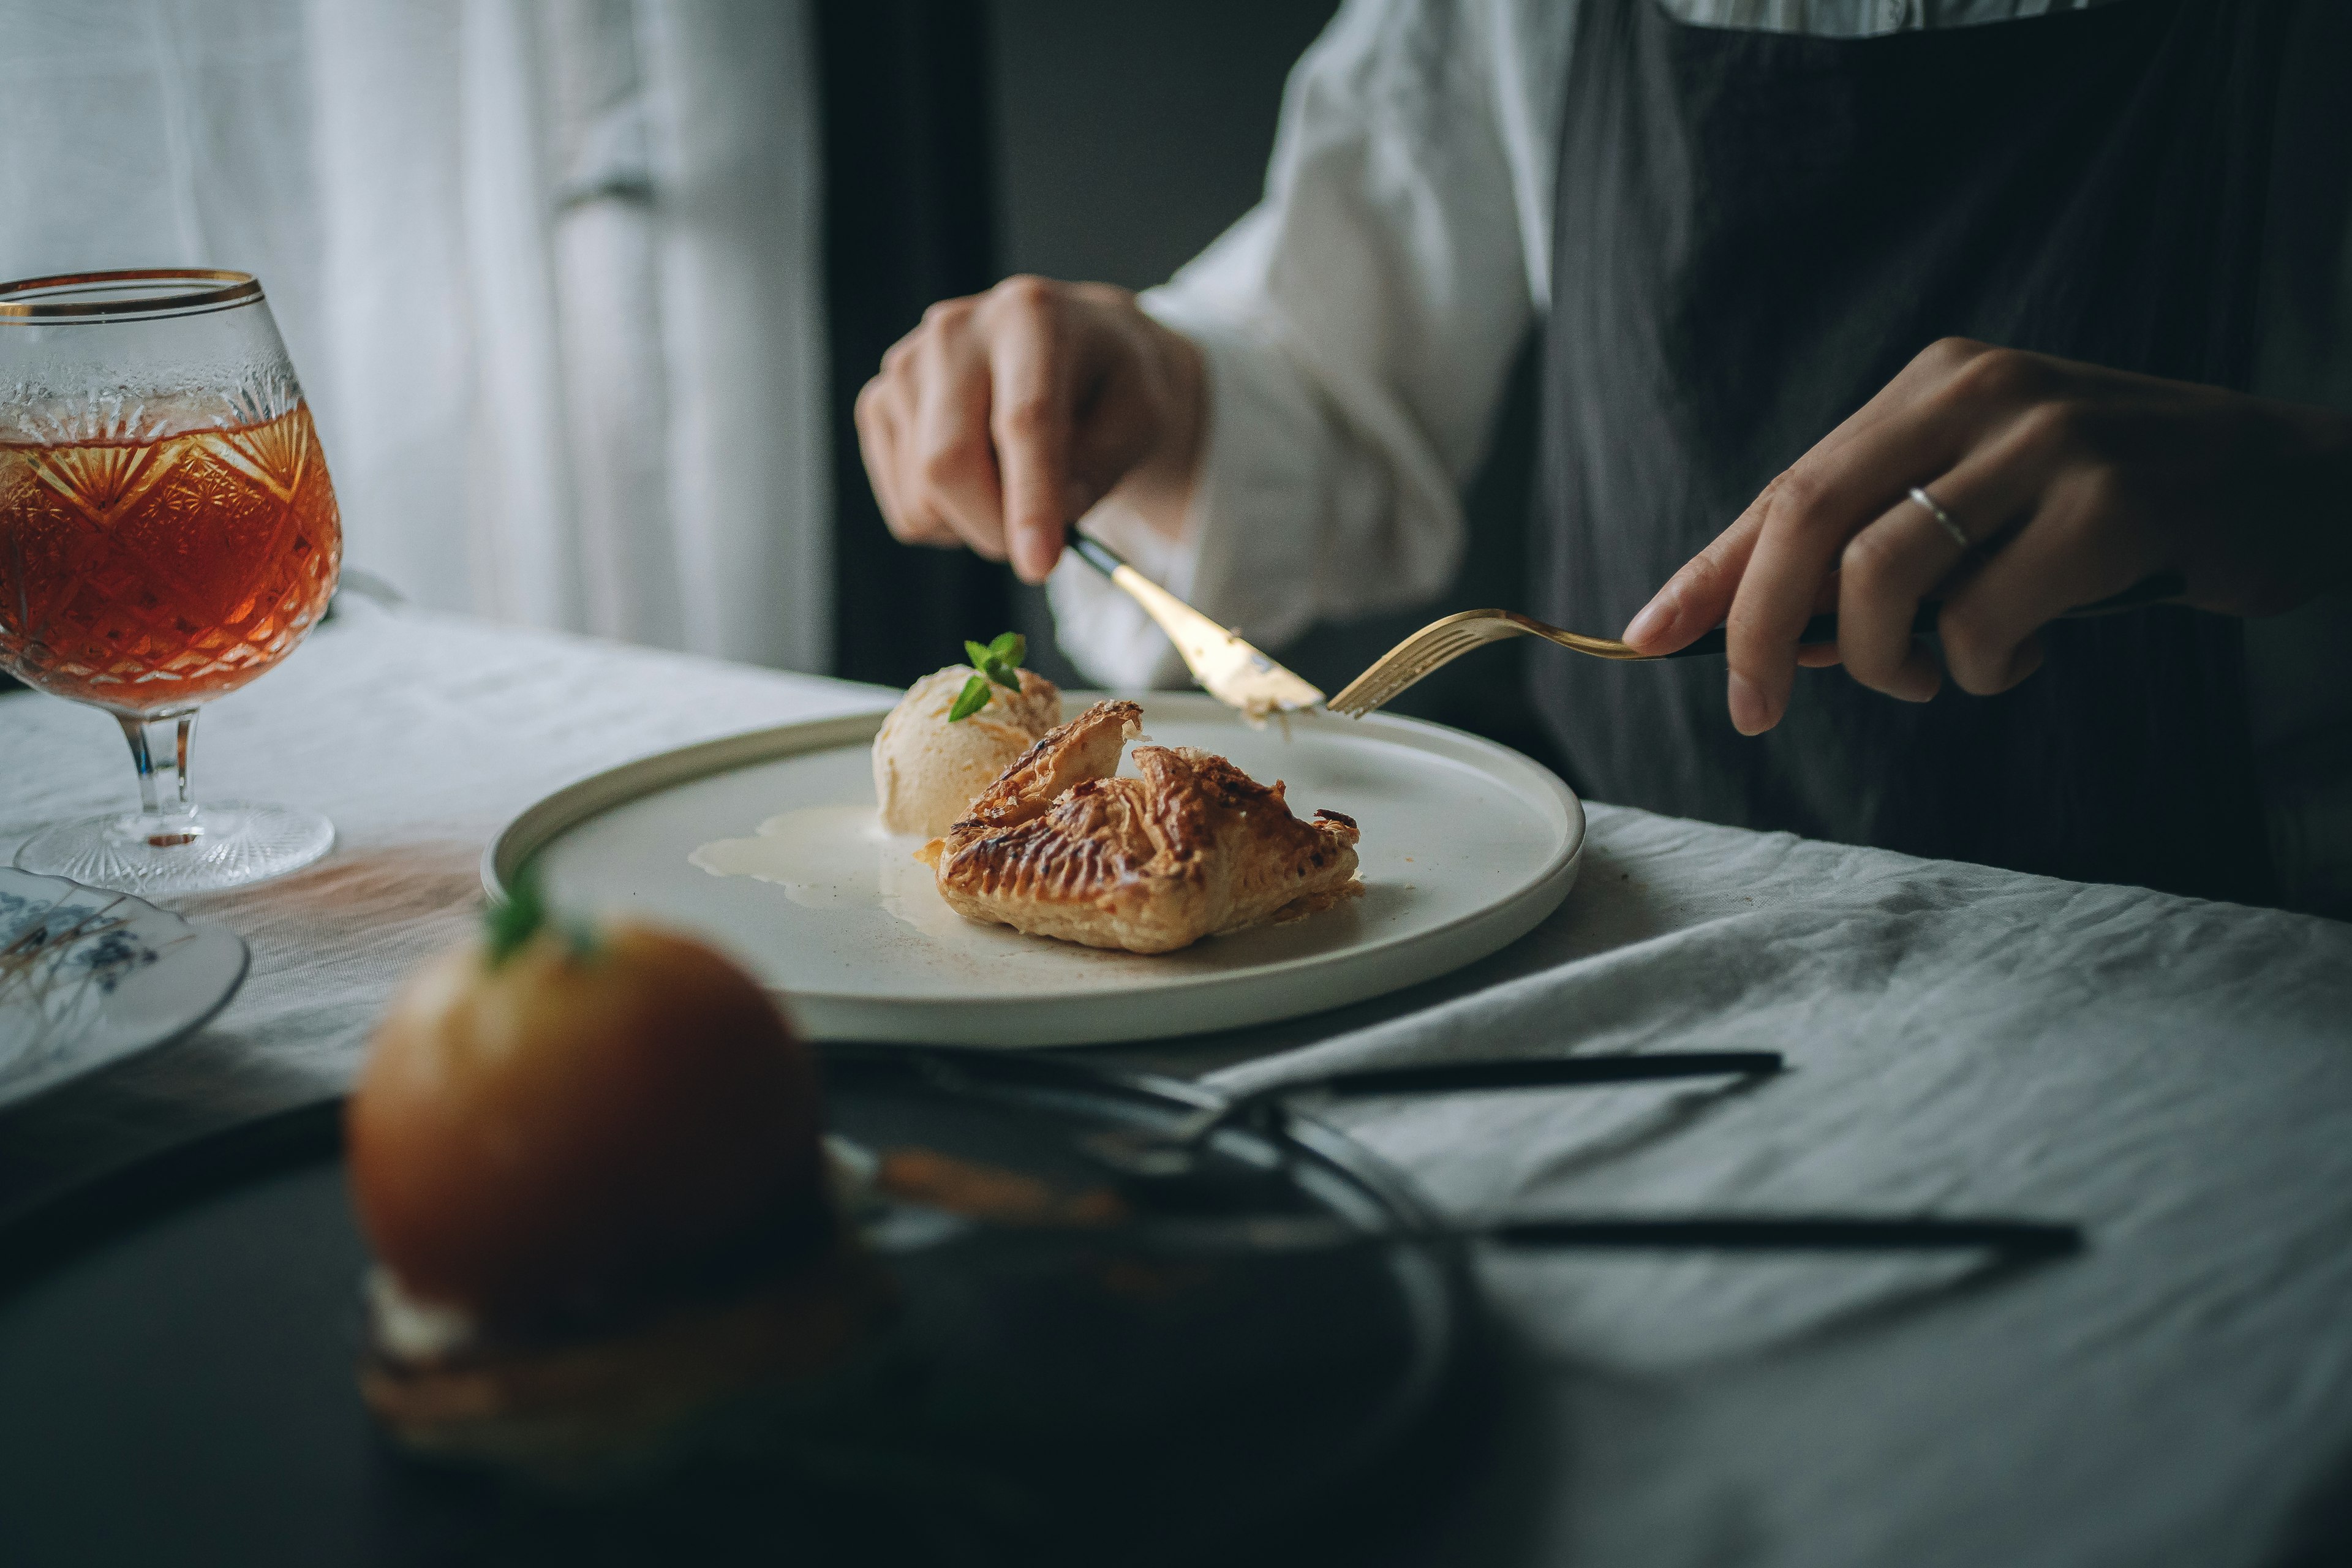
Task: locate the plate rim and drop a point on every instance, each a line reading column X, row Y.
column 862, row 1016
column 15, row 1097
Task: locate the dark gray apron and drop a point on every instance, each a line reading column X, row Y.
column 1755, row 232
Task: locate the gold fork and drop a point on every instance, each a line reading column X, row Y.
column 1442, row 641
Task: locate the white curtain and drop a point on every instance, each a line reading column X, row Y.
column 550, row 271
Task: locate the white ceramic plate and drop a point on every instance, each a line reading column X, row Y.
column 88, row 977
column 1466, row 845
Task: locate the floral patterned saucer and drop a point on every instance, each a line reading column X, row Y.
column 88, row 977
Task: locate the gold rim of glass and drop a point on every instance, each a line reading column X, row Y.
column 129, row 291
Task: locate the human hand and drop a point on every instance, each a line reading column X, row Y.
column 1005, row 414
column 2071, row 482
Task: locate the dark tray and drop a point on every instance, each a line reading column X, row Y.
column 177, row 1345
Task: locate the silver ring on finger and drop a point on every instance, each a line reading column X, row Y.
column 1943, row 519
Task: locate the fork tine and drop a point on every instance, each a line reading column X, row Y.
column 1444, row 640
column 1372, row 690
column 1399, row 669
column 1427, row 650
column 1361, row 695
column 1430, row 655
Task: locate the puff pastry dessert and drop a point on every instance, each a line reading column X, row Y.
column 1060, row 847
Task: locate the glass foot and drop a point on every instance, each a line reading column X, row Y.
column 217, row 847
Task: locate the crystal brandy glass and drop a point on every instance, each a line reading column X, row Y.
column 167, row 533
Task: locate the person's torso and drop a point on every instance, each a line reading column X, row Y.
column 1753, row 231
column 2302, row 720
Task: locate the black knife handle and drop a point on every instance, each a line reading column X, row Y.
column 1099, row 556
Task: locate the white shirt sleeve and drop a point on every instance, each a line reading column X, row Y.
column 1358, row 327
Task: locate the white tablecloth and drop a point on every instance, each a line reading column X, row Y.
column 2175, row 1074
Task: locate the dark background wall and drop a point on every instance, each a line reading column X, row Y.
column 1079, row 140
column 1128, row 136
column 909, row 217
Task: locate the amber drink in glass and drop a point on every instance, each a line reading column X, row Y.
column 167, row 533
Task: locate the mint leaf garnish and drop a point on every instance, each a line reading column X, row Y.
column 998, row 661
column 971, row 701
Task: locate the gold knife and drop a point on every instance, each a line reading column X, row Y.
column 1228, row 669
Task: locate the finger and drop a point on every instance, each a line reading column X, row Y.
column 1894, row 564
column 953, row 461
column 1885, row 570
column 877, row 446
column 1030, row 422
column 884, row 417
column 2085, row 541
column 1699, row 596
column 1696, row 597
column 1822, row 654
column 1814, row 509
column 1119, row 413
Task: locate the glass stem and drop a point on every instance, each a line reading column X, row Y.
column 167, row 801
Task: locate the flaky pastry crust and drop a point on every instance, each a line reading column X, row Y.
column 1059, row 846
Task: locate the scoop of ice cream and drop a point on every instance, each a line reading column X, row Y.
column 928, row 772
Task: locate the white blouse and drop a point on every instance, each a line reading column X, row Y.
column 1359, row 324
